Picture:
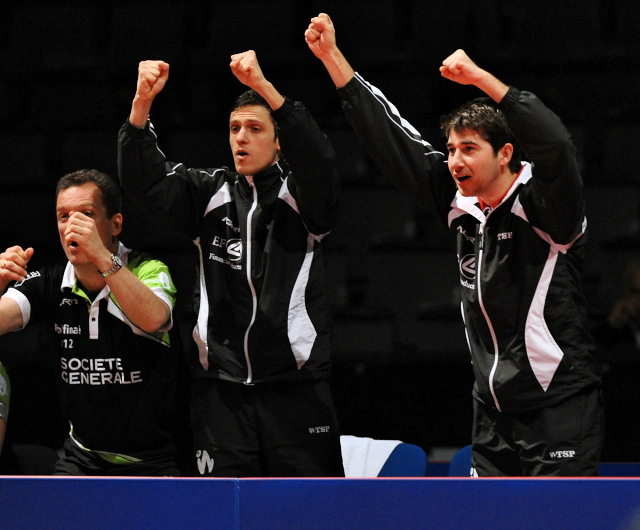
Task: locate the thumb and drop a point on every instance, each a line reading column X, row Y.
column 29, row 252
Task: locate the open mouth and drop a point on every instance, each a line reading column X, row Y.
column 463, row 178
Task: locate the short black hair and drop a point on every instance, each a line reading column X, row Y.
column 484, row 116
column 111, row 194
column 251, row 97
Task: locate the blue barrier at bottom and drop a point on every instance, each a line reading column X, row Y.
column 57, row 502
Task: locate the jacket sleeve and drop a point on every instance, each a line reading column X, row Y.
column 402, row 155
column 169, row 191
column 310, row 155
column 554, row 201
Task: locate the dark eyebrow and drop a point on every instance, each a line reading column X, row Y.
column 468, row 142
column 253, row 120
column 86, row 206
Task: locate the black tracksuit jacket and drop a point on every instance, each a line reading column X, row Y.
column 520, row 266
column 261, row 302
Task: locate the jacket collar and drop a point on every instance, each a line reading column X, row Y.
column 470, row 204
column 274, row 175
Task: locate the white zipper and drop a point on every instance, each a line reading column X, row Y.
column 251, row 286
column 486, row 316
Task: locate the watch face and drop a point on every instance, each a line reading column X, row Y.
column 117, row 265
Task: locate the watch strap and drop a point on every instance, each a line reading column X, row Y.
column 116, row 265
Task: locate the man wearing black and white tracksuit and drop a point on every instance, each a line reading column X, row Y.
column 520, row 231
column 261, row 403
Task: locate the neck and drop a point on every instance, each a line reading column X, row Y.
column 89, row 277
column 495, row 199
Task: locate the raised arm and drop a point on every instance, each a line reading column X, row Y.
column 138, row 302
column 315, row 182
column 13, row 267
column 247, row 70
column 141, row 305
column 554, row 200
column 321, row 38
column 152, row 76
column 168, row 196
column 397, row 148
column 459, row 68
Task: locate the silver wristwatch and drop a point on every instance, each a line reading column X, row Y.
column 116, row 265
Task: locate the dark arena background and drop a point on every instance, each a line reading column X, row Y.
column 68, row 72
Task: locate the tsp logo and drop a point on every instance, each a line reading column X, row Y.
column 205, row 462
column 468, row 266
column 234, row 249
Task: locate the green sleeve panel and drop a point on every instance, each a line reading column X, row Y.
column 154, row 274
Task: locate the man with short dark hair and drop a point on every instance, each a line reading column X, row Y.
column 107, row 311
column 261, row 401
column 520, row 233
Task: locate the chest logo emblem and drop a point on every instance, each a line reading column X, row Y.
column 234, row 249
column 468, row 266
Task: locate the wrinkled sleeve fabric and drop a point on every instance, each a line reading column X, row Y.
column 554, row 201
column 410, row 162
column 175, row 193
column 311, row 158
